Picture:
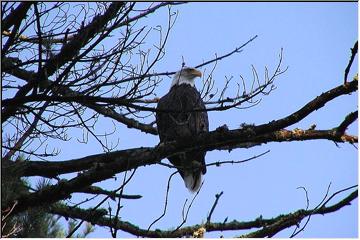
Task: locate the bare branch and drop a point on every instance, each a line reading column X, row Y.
column 354, row 51
column 217, row 197
column 111, row 194
column 236, row 50
column 271, row 226
column 14, row 19
column 349, row 119
column 52, row 169
column 165, row 202
column 26, row 134
column 14, row 16
column 292, row 219
column 185, row 214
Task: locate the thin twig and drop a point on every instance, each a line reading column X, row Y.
column 217, row 197
column 309, row 216
column 307, row 207
column 218, row 163
column 236, row 50
column 116, row 217
column 99, row 204
column 188, row 209
column 166, row 201
column 354, row 51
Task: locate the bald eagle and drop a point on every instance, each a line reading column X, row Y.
column 183, row 122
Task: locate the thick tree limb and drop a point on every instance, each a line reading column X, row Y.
column 14, row 20
column 129, row 122
column 349, row 119
column 270, row 226
column 8, row 65
column 54, row 168
column 312, row 106
column 15, row 15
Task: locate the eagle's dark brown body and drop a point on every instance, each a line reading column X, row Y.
column 185, row 123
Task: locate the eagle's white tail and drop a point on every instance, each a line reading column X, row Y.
column 192, row 181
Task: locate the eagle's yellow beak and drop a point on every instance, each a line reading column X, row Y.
column 196, row 73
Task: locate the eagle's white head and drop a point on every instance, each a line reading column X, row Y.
column 186, row 75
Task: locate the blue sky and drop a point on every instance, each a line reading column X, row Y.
column 316, row 39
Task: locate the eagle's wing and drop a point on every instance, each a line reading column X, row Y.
column 184, row 122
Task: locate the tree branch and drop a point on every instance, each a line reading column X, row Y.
column 112, row 194
column 217, row 197
column 54, row 168
column 26, row 134
column 354, row 51
column 270, row 226
column 292, row 219
column 236, row 50
column 349, row 119
column 72, row 48
column 14, row 19
column 15, row 15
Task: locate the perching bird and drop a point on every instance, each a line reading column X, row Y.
column 183, row 122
